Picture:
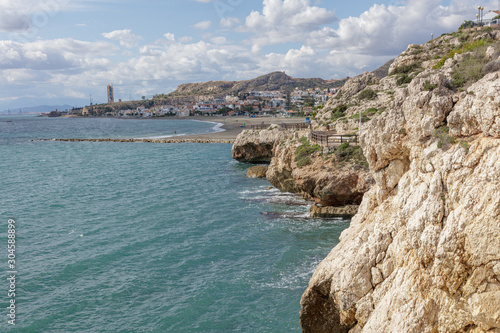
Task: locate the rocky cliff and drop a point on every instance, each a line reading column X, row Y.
column 298, row 166
column 423, row 252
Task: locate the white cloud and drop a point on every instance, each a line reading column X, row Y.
column 186, row 39
column 219, row 40
column 169, row 36
column 203, row 25
column 229, row 22
column 52, row 54
column 283, row 21
column 387, row 30
column 125, row 37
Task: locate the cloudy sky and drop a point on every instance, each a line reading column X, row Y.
column 61, row 51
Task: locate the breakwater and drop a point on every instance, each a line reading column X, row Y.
column 164, row 140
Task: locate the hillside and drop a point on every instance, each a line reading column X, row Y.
column 276, row 81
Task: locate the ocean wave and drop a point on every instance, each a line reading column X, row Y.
column 217, row 126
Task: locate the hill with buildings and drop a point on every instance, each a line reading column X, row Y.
column 276, row 81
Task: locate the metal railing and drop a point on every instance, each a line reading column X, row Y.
column 328, row 139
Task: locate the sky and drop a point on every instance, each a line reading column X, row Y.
column 62, row 51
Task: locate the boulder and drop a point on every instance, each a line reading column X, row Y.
column 257, row 171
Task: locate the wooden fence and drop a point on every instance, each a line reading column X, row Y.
column 296, row 126
column 260, row 127
column 328, row 139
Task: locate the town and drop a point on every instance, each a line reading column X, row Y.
column 264, row 103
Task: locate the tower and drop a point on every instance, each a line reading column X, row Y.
column 111, row 97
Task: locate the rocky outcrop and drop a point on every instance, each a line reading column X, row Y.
column 332, row 186
column 320, row 181
column 257, row 146
column 257, row 171
column 329, row 211
column 423, row 252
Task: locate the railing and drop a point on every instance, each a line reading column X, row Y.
column 296, row 126
column 260, row 127
column 332, row 139
column 291, row 126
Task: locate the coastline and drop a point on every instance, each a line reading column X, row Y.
column 230, row 129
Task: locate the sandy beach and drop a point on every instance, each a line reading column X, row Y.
column 232, row 125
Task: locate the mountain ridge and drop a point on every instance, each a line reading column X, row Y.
column 275, row 81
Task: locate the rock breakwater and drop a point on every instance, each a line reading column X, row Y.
column 166, row 140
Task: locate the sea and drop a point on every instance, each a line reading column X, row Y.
column 146, row 237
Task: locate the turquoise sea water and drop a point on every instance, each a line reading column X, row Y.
column 141, row 237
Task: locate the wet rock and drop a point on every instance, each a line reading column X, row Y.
column 331, row 211
column 257, row 171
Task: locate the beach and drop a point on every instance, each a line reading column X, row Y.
column 232, row 125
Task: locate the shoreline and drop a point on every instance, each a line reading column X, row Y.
column 231, row 128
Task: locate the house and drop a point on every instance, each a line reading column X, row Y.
column 488, row 18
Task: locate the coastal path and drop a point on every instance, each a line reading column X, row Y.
column 324, row 138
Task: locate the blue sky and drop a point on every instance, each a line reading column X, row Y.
column 61, row 51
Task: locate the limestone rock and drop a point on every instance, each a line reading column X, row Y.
column 280, row 170
column 423, row 252
column 257, row 171
column 256, row 146
column 331, row 186
column 330, row 211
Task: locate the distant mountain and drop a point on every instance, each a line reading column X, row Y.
column 383, row 71
column 276, row 81
column 38, row 109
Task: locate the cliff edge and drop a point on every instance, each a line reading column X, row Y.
column 423, row 252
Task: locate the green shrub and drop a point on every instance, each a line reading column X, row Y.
column 338, row 112
column 429, row 86
column 469, row 47
column 382, row 110
column 404, row 78
column 470, row 69
column 405, row 69
column 304, row 152
column 368, row 94
column 353, row 154
column 365, row 116
column 465, row 145
column 443, row 135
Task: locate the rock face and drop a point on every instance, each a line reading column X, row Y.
column 257, row 146
column 423, row 252
column 257, row 171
